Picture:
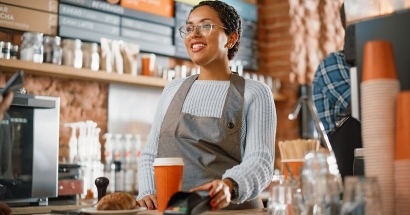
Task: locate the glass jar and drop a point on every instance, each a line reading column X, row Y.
column 52, row 50
column 91, row 58
column 5, row 48
column 14, row 52
column 32, row 47
column 72, row 53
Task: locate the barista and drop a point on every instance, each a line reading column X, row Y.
column 221, row 124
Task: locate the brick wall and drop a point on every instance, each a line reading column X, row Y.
column 79, row 101
column 285, row 28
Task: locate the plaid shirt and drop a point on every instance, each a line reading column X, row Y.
column 331, row 89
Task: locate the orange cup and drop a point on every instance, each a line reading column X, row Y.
column 403, row 126
column 378, row 61
column 168, row 179
column 295, row 166
column 147, row 64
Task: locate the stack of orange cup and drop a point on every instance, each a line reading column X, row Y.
column 379, row 90
column 402, row 162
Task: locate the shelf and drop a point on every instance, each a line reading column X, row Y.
column 279, row 97
column 52, row 70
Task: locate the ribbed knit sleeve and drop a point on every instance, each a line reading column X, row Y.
column 255, row 172
column 206, row 98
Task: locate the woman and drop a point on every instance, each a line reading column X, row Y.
column 221, row 124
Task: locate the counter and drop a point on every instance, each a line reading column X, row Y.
column 40, row 210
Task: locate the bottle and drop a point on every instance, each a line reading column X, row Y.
column 109, row 165
column 32, row 47
column 91, row 58
column 72, row 53
column 1, row 47
column 135, row 160
column 5, row 50
column 72, row 143
column 129, row 171
column 82, row 153
column 52, row 50
column 14, row 52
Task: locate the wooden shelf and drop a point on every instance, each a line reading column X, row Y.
column 52, row 70
column 279, row 97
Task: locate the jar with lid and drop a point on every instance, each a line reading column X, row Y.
column 52, row 50
column 91, row 58
column 32, row 47
column 5, row 49
column 14, row 52
column 72, row 53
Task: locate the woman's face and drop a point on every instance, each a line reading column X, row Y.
column 204, row 50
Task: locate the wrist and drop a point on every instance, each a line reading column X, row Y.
column 233, row 188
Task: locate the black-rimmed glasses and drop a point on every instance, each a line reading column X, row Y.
column 202, row 28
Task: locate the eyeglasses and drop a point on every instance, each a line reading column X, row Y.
column 203, row 29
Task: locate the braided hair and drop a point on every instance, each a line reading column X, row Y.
column 229, row 17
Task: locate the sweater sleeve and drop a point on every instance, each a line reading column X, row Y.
column 255, row 171
column 146, row 182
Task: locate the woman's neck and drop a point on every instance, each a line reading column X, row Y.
column 215, row 72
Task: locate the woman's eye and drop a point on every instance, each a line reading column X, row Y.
column 189, row 28
column 207, row 26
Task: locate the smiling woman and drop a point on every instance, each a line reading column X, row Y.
column 222, row 125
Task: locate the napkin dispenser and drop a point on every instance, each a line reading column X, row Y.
column 188, row 203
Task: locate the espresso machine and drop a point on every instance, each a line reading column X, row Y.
column 29, row 137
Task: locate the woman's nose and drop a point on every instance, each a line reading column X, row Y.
column 196, row 32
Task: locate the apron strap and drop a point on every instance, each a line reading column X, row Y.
column 178, row 101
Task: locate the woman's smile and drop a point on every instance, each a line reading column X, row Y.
column 197, row 46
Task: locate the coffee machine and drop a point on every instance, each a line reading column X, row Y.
column 29, row 137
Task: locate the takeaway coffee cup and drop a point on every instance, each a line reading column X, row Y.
column 168, row 179
column 295, row 165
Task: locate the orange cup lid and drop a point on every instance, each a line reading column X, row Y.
column 378, row 61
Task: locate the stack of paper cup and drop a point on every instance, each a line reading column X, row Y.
column 379, row 88
column 402, row 163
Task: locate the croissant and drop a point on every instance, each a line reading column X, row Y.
column 117, row 201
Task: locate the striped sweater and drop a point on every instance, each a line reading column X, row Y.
column 206, row 98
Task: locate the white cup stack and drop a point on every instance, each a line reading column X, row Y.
column 402, row 162
column 379, row 89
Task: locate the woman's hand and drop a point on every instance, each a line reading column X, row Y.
column 149, row 202
column 5, row 103
column 219, row 191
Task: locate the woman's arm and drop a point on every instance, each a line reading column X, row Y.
column 255, row 172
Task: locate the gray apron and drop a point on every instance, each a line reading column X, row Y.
column 208, row 145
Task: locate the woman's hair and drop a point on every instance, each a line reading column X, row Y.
column 229, row 17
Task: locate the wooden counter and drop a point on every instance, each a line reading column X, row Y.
column 41, row 210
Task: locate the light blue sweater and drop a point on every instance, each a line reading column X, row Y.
column 206, row 98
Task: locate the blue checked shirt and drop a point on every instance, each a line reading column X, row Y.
column 331, row 89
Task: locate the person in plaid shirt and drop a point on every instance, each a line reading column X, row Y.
column 331, row 86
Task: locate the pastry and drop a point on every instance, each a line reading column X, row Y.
column 117, row 201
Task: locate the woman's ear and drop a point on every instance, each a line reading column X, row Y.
column 232, row 39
